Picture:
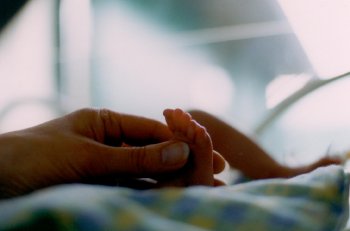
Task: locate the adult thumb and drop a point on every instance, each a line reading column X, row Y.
column 150, row 159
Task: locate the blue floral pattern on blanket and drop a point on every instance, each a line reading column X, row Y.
column 314, row 201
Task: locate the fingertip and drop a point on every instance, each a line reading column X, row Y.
column 178, row 112
column 167, row 112
column 175, row 153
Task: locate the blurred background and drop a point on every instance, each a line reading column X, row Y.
column 267, row 67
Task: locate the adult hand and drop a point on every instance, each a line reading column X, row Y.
column 86, row 146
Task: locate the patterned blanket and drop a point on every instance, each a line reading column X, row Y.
column 315, row 201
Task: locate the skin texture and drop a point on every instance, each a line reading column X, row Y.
column 243, row 154
column 85, row 146
column 106, row 147
column 93, row 146
column 203, row 164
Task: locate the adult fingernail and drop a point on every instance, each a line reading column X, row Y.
column 175, row 153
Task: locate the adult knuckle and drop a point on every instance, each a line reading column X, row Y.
column 109, row 118
column 139, row 159
column 103, row 113
column 85, row 111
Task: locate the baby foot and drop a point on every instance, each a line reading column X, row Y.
column 322, row 162
column 199, row 170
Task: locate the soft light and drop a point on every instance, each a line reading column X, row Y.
column 322, row 27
